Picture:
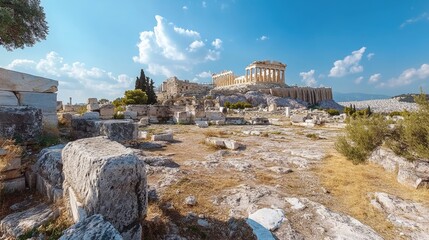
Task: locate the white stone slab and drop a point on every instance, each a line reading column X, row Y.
column 47, row 102
column 18, row 81
column 8, row 99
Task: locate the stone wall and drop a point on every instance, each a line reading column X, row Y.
column 21, row 89
column 308, row 94
column 173, row 87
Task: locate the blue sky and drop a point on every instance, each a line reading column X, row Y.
column 97, row 48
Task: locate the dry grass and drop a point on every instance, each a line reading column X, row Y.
column 215, row 133
column 350, row 185
column 203, row 188
column 13, row 151
column 54, row 229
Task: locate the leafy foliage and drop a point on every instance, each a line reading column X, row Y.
column 363, row 135
column 22, row 23
column 237, row 105
column 135, row 97
column 333, row 112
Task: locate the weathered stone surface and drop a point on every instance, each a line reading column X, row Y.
column 414, row 174
column 14, row 185
column 411, row 217
column 107, row 111
column 298, row 118
column 16, row 224
column 108, row 179
column 17, row 82
column 20, row 122
column 118, row 130
column 144, row 121
column 163, row 137
column 142, row 110
column 259, row 121
column 268, row 217
column 47, row 102
column 202, row 124
column 323, row 223
column 223, row 143
column 8, row 99
column 235, row 121
column 94, row 227
column 49, row 169
column 130, row 115
column 215, row 115
column 92, row 100
column 92, row 107
column 15, row 163
column 65, row 118
column 160, row 161
column 91, row 116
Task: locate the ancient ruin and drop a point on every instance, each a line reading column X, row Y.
column 173, row 87
column 257, row 72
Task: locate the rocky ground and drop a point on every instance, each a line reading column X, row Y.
column 383, row 105
column 197, row 191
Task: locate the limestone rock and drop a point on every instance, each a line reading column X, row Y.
column 411, row 217
column 47, row 102
column 91, row 115
column 202, row 124
column 18, row 122
column 141, row 110
column 107, row 111
column 8, row 99
column 163, row 137
column 49, row 168
column 268, row 217
column 130, row 115
column 190, row 201
column 93, row 107
column 17, row 82
column 108, row 179
column 16, row 224
column 14, row 185
column 118, row 130
column 159, row 161
column 223, row 143
column 319, row 222
column 94, row 227
column 414, row 174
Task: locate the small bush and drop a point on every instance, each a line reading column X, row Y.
column 118, row 115
column 363, row 135
column 333, row 112
column 81, row 109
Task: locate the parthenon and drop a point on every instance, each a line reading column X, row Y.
column 256, row 72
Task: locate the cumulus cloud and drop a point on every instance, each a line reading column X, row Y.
column 75, row 79
column 370, row 56
column 349, row 65
column 408, row 76
column 204, row 74
column 374, row 78
column 358, row 80
column 185, row 7
column 263, row 38
column 169, row 50
column 217, row 43
column 422, row 17
column 308, row 78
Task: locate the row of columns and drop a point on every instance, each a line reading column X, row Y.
column 258, row 74
column 223, row 80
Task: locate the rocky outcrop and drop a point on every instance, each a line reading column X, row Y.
column 412, row 218
column 414, row 174
column 21, row 123
column 94, row 227
column 17, row 224
column 103, row 177
column 319, row 222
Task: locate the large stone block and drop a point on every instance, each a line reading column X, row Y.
column 118, row 130
column 17, row 224
column 94, row 227
column 49, row 169
column 108, row 179
column 142, row 110
column 8, row 99
column 47, row 102
column 14, row 185
column 107, row 111
column 17, row 82
column 21, row 123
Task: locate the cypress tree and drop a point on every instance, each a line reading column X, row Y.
column 151, row 93
column 141, row 81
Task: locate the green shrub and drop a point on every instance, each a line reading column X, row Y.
column 333, row 112
column 363, row 135
column 118, row 115
column 227, row 104
column 135, row 97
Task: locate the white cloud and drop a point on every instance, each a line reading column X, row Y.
column 263, row 38
column 195, row 45
column 204, row 4
column 408, row 76
column 308, row 78
column 75, row 79
column 370, row 56
column 349, row 65
column 217, row 43
column 358, row 80
column 374, row 78
column 204, row 74
column 185, row 7
column 423, row 17
column 169, row 50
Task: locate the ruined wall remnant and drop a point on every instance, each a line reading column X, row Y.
column 173, row 87
column 21, row 89
column 20, row 123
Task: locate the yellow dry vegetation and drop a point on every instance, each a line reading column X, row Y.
column 351, row 184
column 12, row 151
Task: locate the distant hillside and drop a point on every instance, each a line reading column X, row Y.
column 409, row 97
column 347, row 97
